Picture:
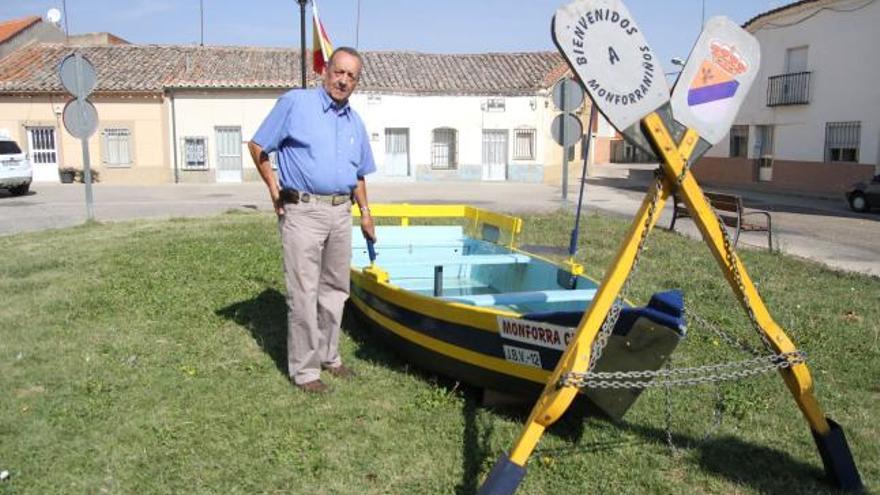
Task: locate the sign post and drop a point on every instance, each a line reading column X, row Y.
column 566, row 129
column 80, row 118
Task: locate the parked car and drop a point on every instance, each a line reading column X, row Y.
column 864, row 195
column 16, row 172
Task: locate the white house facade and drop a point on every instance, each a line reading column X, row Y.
column 811, row 120
column 430, row 126
column 192, row 110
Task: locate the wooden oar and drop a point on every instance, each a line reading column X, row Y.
column 371, row 251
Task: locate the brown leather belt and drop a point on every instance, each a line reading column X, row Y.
column 294, row 196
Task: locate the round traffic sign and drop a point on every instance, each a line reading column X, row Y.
column 568, row 95
column 566, row 129
column 80, row 118
column 78, row 75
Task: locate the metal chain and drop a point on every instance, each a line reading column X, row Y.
column 730, row 257
column 698, row 375
column 668, row 396
column 732, row 340
column 717, row 412
column 614, row 313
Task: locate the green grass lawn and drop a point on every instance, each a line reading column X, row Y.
column 148, row 357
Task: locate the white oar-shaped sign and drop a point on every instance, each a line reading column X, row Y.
column 718, row 74
column 607, row 50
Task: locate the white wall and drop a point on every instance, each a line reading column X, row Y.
column 422, row 114
column 198, row 112
column 843, row 87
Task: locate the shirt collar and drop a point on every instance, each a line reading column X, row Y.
column 327, row 103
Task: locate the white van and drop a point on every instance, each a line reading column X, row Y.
column 16, row 171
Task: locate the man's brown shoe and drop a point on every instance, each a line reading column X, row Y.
column 313, row 387
column 341, row 371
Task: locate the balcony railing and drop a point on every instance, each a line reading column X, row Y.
column 789, row 89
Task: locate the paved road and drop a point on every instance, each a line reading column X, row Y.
column 819, row 229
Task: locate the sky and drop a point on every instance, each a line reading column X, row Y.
column 448, row 26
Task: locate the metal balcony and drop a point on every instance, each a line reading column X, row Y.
column 789, row 89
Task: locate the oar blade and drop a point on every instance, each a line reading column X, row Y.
column 607, row 50
column 716, row 78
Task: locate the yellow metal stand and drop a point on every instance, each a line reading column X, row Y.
column 557, row 397
column 797, row 377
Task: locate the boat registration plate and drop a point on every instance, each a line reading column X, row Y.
column 519, row 355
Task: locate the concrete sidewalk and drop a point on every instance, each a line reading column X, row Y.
column 814, row 228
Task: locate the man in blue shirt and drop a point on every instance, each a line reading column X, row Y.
column 323, row 155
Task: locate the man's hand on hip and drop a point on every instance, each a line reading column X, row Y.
column 277, row 204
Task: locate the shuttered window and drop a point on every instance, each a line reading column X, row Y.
column 739, row 141
column 443, row 149
column 195, row 153
column 117, row 147
column 842, row 141
column 524, row 144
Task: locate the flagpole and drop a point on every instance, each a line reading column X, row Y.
column 357, row 29
column 302, row 39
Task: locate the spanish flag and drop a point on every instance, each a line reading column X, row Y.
column 321, row 46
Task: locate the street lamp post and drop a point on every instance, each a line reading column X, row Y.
column 678, row 63
column 302, row 39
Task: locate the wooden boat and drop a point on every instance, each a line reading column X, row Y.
column 460, row 299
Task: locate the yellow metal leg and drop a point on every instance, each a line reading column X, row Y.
column 555, row 399
column 797, row 377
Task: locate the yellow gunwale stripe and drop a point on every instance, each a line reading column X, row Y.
column 485, row 319
column 474, row 358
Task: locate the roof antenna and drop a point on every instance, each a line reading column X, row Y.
column 66, row 21
column 202, row 22
column 357, row 29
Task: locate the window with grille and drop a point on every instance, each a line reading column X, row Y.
column 443, row 149
column 117, row 147
column 524, row 144
column 195, row 153
column 842, row 141
column 495, row 105
column 739, row 141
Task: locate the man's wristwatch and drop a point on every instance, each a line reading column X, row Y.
column 365, row 210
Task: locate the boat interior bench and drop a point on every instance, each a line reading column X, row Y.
column 474, row 259
column 731, row 211
column 514, row 298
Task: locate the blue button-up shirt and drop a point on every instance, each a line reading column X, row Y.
column 322, row 148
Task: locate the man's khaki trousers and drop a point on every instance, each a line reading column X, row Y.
column 316, row 244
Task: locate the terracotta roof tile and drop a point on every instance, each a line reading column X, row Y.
column 151, row 68
column 8, row 29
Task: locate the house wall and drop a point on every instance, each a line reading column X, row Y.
column 469, row 116
column 811, row 177
column 158, row 125
column 842, row 88
column 143, row 115
column 197, row 113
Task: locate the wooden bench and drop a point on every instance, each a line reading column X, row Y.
column 730, row 208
